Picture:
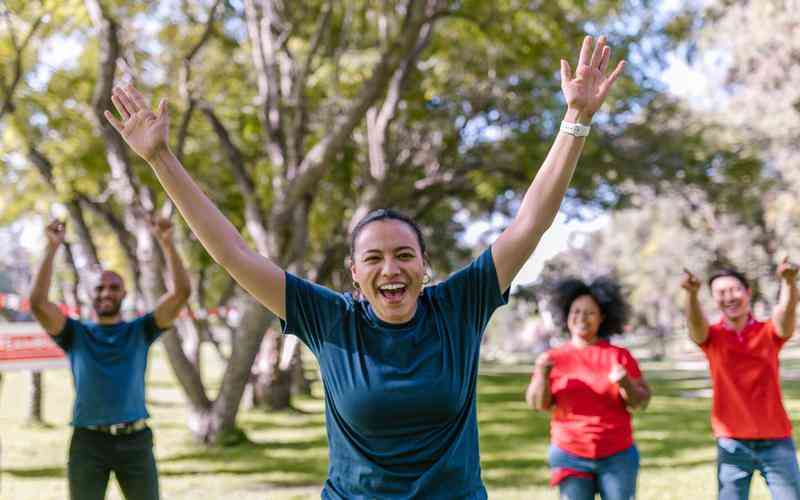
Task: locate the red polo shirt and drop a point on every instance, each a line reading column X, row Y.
column 589, row 415
column 747, row 401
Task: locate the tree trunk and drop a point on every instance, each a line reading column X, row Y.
column 35, row 402
column 301, row 385
column 272, row 386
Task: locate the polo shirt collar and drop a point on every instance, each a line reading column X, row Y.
column 726, row 327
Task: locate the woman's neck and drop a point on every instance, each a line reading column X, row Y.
column 581, row 342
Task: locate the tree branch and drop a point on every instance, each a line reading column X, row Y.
column 322, row 155
column 124, row 185
column 254, row 217
column 7, row 105
column 259, row 28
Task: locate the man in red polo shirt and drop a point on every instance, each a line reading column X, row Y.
column 749, row 421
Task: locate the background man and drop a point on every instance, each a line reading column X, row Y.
column 748, row 418
column 108, row 360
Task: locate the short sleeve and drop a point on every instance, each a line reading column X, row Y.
column 311, row 311
column 150, row 328
column 67, row 333
column 779, row 341
column 629, row 363
column 474, row 292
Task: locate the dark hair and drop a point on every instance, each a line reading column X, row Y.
column 606, row 292
column 729, row 272
column 385, row 214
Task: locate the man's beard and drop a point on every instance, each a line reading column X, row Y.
column 107, row 313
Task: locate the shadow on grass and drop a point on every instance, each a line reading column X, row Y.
column 35, row 472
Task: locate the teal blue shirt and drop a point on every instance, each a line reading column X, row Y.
column 108, row 365
column 400, row 399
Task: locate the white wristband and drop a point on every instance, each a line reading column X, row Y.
column 576, row 129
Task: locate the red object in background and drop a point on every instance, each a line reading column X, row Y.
column 26, row 346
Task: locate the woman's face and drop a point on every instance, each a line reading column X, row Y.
column 389, row 268
column 584, row 318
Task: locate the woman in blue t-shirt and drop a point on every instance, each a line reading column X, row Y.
column 399, row 360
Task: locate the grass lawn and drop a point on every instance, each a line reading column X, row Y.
column 288, row 457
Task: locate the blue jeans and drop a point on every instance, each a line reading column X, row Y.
column 93, row 455
column 775, row 459
column 614, row 476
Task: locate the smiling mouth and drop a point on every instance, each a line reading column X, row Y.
column 393, row 292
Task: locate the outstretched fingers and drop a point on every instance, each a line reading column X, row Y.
column 586, row 51
column 566, row 71
column 605, row 87
column 137, row 98
column 604, row 58
column 128, row 106
column 118, row 126
column 163, row 115
column 597, row 53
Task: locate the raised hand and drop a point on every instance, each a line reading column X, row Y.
column 690, row 283
column 55, row 233
column 586, row 90
column 146, row 132
column 787, row 271
column 161, row 227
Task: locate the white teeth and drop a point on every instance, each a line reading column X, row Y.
column 392, row 286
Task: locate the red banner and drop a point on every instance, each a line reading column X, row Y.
column 26, row 346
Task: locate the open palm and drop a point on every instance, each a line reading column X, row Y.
column 586, row 90
column 146, row 132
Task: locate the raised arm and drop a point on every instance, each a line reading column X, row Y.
column 784, row 315
column 147, row 134
column 178, row 287
column 695, row 319
column 584, row 93
column 538, row 395
column 47, row 313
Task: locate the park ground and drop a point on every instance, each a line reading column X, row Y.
column 287, row 456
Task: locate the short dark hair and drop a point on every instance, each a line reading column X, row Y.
column 729, row 272
column 606, row 292
column 386, row 214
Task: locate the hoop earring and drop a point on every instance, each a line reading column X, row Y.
column 355, row 285
column 425, row 281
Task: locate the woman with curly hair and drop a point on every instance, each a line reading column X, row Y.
column 590, row 386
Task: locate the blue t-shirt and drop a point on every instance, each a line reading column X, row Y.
column 400, row 399
column 108, row 364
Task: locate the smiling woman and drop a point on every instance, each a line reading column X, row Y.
column 590, row 385
column 388, row 263
column 399, row 361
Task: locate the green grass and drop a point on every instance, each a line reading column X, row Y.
column 288, row 456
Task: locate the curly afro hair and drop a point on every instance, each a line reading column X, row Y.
column 605, row 291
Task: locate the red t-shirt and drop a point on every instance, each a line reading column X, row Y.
column 589, row 415
column 747, row 401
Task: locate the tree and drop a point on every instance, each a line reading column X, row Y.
column 317, row 112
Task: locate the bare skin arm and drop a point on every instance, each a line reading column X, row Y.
column 635, row 393
column 147, row 134
column 584, row 94
column 46, row 312
column 696, row 320
column 785, row 314
column 538, row 395
column 179, row 286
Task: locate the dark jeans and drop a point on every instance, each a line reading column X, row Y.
column 614, row 476
column 93, row 455
column 775, row 459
